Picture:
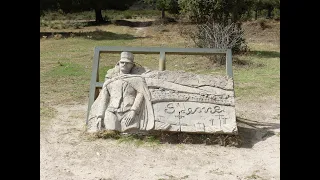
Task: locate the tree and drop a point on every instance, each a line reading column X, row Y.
column 47, row 5
column 221, row 11
column 69, row 6
column 218, row 23
column 99, row 5
column 269, row 5
column 164, row 5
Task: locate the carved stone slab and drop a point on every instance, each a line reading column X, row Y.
column 194, row 117
column 189, row 102
column 171, row 101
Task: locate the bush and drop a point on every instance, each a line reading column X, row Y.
column 276, row 15
column 218, row 36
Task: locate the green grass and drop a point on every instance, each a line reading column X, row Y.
column 261, row 78
column 65, row 69
column 66, row 64
column 135, row 139
column 139, row 141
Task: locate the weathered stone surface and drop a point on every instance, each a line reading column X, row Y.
column 143, row 100
column 194, row 117
column 222, row 98
column 188, row 102
column 192, row 79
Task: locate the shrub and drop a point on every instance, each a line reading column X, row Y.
column 218, row 36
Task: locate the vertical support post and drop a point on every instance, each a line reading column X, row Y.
column 229, row 63
column 94, row 78
column 162, row 61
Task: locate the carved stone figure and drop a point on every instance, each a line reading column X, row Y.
column 124, row 101
column 134, row 99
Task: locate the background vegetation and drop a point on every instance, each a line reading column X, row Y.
column 69, row 33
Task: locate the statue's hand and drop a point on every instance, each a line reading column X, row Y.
column 99, row 122
column 129, row 117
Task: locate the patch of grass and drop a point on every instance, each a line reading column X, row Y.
column 62, row 24
column 108, row 134
column 192, row 138
column 59, row 15
column 136, row 139
column 47, row 112
column 130, row 139
column 152, row 139
column 103, row 71
column 139, row 140
column 66, row 69
column 66, row 63
column 264, row 46
column 253, row 176
column 260, row 78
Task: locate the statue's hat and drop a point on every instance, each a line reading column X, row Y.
column 126, row 57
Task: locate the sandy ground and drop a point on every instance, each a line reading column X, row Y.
column 66, row 153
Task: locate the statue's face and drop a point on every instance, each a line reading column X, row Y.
column 125, row 67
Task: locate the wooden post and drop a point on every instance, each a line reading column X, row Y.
column 94, row 78
column 229, row 63
column 162, row 61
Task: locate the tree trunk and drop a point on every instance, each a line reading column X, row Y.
column 99, row 17
column 269, row 12
column 256, row 14
column 162, row 14
column 249, row 14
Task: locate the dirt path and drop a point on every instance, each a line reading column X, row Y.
column 65, row 153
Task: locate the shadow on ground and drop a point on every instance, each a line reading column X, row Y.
column 94, row 35
column 252, row 132
column 132, row 23
column 120, row 23
column 249, row 133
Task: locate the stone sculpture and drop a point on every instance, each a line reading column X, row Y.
column 136, row 99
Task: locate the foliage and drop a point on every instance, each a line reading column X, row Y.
column 47, row 5
column 201, row 11
column 171, row 6
column 219, row 36
column 222, row 11
column 69, row 6
column 270, row 5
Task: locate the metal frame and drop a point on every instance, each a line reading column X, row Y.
column 95, row 84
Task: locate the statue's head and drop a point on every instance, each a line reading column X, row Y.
column 126, row 62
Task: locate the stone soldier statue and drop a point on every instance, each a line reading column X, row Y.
column 124, row 101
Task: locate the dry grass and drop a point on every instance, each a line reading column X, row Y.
column 167, row 137
column 66, row 62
